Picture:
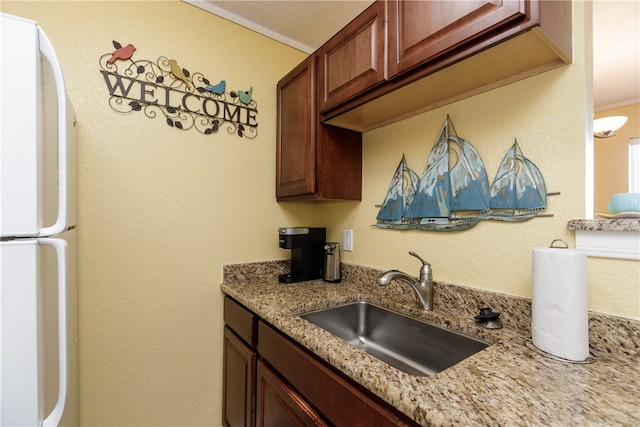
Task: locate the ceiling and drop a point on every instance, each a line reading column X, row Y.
column 616, row 53
column 307, row 24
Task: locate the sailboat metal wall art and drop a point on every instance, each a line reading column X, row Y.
column 454, row 194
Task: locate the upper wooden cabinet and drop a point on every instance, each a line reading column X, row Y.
column 420, row 31
column 296, row 132
column 354, row 59
column 313, row 161
column 444, row 51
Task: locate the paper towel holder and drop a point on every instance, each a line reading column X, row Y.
column 528, row 342
column 566, row 245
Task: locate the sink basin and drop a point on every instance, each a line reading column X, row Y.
column 411, row 345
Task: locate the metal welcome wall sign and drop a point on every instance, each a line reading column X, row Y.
column 186, row 100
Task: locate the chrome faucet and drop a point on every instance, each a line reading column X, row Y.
column 423, row 287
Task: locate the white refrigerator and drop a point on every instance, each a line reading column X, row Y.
column 38, row 295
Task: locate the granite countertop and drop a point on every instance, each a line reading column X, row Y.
column 619, row 224
column 508, row 383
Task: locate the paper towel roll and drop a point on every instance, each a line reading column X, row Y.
column 560, row 316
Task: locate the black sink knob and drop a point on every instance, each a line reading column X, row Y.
column 486, row 315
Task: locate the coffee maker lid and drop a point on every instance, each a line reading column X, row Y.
column 292, row 231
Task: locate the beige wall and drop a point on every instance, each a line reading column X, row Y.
column 160, row 211
column 611, row 171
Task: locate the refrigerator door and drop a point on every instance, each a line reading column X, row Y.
column 38, row 161
column 38, row 332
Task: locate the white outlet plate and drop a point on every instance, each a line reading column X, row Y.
column 347, row 240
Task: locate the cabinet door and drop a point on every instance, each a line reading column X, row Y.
column 296, row 132
column 239, row 384
column 335, row 397
column 353, row 60
column 278, row 405
column 420, row 31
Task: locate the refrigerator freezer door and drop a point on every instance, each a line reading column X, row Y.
column 38, row 325
column 38, row 149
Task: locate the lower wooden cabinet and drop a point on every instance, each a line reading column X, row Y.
column 239, row 382
column 278, row 383
column 338, row 398
column 278, row 405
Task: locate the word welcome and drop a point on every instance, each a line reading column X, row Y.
column 171, row 99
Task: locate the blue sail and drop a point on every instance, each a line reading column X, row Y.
column 454, row 180
column 469, row 181
column 518, row 191
column 530, row 187
column 400, row 194
column 503, row 189
column 433, row 196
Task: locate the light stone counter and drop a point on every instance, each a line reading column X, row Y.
column 508, row 384
column 622, row 224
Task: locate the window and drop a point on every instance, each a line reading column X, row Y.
column 634, row 165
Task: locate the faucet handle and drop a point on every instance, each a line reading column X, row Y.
column 426, row 267
column 419, row 257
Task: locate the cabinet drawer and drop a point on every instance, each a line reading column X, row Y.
column 242, row 321
column 340, row 401
column 278, row 405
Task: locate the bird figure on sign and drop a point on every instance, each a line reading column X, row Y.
column 217, row 89
column 121, row 52
column 245, row 96
column 179, row 73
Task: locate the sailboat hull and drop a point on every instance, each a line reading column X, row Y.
column 435, row 226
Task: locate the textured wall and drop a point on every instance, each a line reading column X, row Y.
column 161, row 210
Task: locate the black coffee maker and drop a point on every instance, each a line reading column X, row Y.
column 307, row 252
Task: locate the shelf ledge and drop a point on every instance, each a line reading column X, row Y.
column 617, row 238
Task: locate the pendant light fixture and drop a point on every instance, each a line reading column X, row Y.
column 606, row 126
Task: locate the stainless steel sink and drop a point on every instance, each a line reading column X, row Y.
column 411, row 345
